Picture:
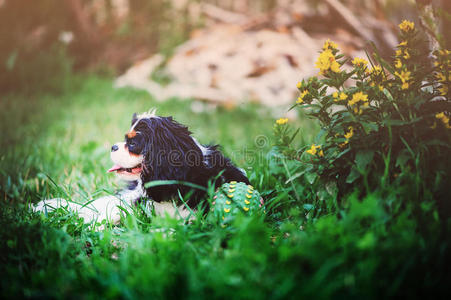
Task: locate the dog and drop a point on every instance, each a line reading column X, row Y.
column 157, row 149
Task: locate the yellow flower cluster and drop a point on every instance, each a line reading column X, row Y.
column 443, row 89
column 338, row 97
column 355, row 101
column 326, row 61
column 359, row 62
column 348, row 135
column 444, row 118
column 406, row 26
column 282, row 121
column 404, row 53
column 315, row 150
column 301, row 96
column 405, row 77
column 443, row 74
column 401, row 54
column 328, row 44
column 357, row 97
column 376, row 71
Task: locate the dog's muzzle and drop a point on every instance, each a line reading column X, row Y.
column 126, row 164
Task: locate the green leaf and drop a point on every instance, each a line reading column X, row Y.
column 342, row 153
column 295, row 176
column 363, row 158
column 294, row 135
column 402, row 159
column 331, row 188
column 369, row 127
column 353, row 175
column 311, row 177
column 308, row 207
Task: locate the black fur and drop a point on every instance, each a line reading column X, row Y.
column 170, row 153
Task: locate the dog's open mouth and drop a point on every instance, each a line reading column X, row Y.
column 119, row 169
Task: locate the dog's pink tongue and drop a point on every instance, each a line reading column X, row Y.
column 114, row 168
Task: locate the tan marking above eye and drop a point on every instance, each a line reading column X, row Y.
column 131, row 134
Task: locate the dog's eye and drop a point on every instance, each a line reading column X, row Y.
column 132, row 144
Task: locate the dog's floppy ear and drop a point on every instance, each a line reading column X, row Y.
column 170, row 152
column 134, row 119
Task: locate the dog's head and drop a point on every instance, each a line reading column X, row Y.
column 155, row 148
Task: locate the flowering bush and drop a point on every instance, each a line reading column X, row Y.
column 382, row 123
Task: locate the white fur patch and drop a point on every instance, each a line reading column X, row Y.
column 163, row 208
column 104, row 208
column 123, row 158
column 146, row 115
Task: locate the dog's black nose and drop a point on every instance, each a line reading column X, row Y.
column 114, row 148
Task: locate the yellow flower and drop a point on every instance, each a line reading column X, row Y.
column 359, row 62
column 403, row 44
column 406, row 54
column 398, row 52
column 301, row 96
column 433, row 125
column 443, row 90
column 350, row 133
column 440, row 77
column 440, row 115
column 358, row 110
column 335, row 67
column 406, row 26
column 404, row 76
column 342, row 145
column 398, row 64
column 381, row 88
column 226, row 210
column 247, row 202
column 326, row 61
column 357, row 97
column 245, row 208
column 376, row 71
column 313, row 149
column 444, row 118
column 329, row 45
column 343, row 96
column 299, row 85
column 282, row 121
column 335, row 95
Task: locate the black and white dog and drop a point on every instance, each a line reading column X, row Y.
column 157, row 148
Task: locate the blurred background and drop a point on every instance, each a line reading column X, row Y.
column 216, row 51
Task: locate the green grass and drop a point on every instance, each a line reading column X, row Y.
column 57, row 145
